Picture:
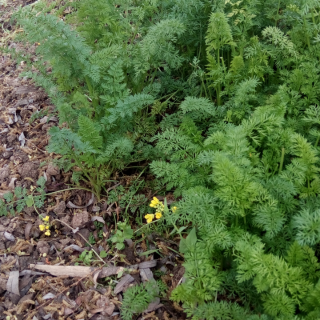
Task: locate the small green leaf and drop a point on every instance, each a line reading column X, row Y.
column 120, row 246
column 8, row 196
column 119, row 275
column 103, row 254
column 41, row 182
column 179, row 231
column 29, row 201
column 189, row 242
column 192, row 238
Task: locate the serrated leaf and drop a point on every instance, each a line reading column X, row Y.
column 8, row 196
column 41, row 182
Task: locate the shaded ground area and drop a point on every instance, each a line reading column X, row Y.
column 34, row 280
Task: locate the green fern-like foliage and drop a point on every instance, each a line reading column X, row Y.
column 137, row 298
column 245, row 160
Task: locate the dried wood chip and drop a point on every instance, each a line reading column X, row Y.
column 95, row 209
column 154, row 305
column 68, row 311
column 104, row 306
column 3, row 283
column 80, row 271
column 48, row 296
column 25, row 89
column 96, row 218
column 31, row 272
column 9, row 236
column 74, row 247
column 13, row 282
column 72, row 271
column 95, row 278
column 110, row 271
column 46, row 119
column 146, row 275
column 124, row 281
column 10, row 121
column 27, row 230
column 73, row 206
column 52, row 169
column 22, row 139
column 11, row 184
column 147, row 264
column 22, row 102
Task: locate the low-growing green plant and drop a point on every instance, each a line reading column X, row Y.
column 98, row 78
column 86, row 257
column 130, row 200
column 91, row 239
column 21, row 198
column 124, row 232
column 137, row 298
column 38, row 114
column 99, row 227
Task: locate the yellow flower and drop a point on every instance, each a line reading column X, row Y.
column 154, row 202
column 42, row 227
column 46, row 218
column 174, row 209
column 47, row 227
column 158, row 215
column 47, row 233
column 149, row 217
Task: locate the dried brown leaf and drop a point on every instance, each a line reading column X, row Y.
column 13, row 283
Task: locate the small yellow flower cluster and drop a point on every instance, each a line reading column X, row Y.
column 158, row 205
column 174, row 209
column 45, row 226
column 149, row 217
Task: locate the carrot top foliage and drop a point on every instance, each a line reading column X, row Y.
column 221, row 98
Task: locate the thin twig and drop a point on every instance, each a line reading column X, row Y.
column 113, row 187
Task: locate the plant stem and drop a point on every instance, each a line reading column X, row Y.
column 218, row 86
column 306, row 31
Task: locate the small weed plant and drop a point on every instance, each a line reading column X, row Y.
column 124, row 232
column 137, row 298
column 221, row 98
column 15, row 202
